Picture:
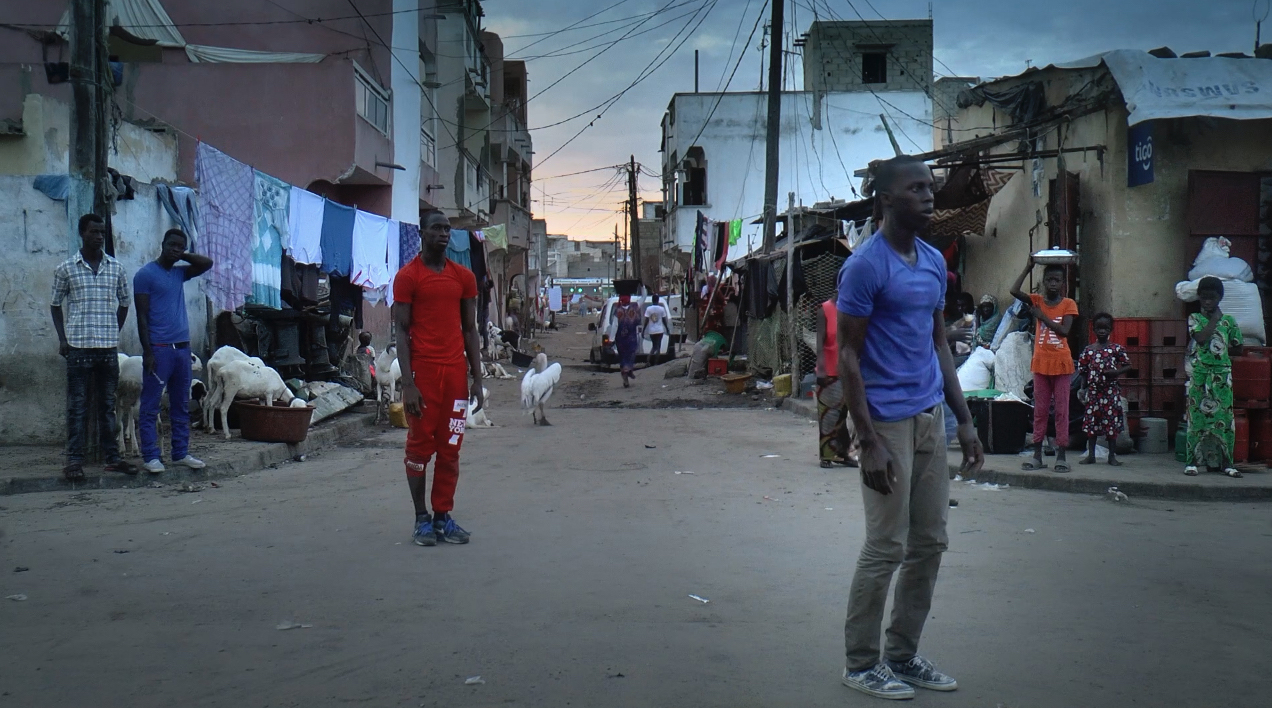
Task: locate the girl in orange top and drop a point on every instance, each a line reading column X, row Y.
column 1052, row 361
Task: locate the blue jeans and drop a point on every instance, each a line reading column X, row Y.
column 101, row 367
column 172, row 370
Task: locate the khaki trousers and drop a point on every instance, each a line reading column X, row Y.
column 907, row 529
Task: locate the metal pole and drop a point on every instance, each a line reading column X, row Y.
column 790, row 288
column 633, row 219
column 773, row 128
column 695, row 70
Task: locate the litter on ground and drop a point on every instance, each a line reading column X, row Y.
column 703, row 600
column 474, row 681
column 288, row 624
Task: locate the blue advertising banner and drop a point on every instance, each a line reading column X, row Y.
column 1139, row 154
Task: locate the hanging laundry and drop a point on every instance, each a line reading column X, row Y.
column 226, row 197
column 721, row 239
column 270, row 216
column 304, row 226
column 701, row 241
column 395, row 257
column 370, row 250
column 408, row 243
column 735, row 231
column 181, row 203
column 459, row 248
column 497, row 237
column 337, row 238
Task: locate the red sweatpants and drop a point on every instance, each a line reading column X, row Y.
column 439, row 430
column 1048, row 389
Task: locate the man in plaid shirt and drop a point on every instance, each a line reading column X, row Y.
column 95, row 288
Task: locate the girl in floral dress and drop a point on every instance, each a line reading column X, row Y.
column 1212, row 432
column 1100, row 365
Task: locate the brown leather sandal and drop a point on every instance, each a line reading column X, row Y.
column 73, row 472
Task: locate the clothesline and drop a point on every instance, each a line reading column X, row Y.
column 251, row 220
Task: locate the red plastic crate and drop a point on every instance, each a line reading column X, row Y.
column 1168, row 333
column 717, row 366
column 1169, row 398
column 1141, row 365
column 1138, row 397
column 1168, row 364
column 1129, row 332
column 1251, row 377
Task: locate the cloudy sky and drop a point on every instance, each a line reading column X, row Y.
column 973, row 38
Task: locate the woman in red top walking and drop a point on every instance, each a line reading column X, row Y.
column 1052, row 361
column 835, row 443
column 435, row 312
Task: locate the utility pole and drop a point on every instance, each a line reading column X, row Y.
column 763, row 46
column 790, row 286
column 633, row 218
column 616, row 254
column 774, row 128
column 90, row 82
column 90, row 77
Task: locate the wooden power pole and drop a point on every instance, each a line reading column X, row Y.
column 633, row 219
column 90, row 123
column 774, row 127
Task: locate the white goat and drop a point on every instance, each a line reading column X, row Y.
column 212, row 401
column 387, row 373
column 251, row 380
column 536, row 387
column 128, row 402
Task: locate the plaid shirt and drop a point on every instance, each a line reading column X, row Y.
column 94, row 300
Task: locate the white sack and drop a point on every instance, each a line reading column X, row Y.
column 1242, row 301
column 976, row 373
column 1012, row 364
column 1215, row 260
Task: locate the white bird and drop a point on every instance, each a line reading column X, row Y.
column 536, row 387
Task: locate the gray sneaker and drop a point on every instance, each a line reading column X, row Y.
column 191, row 461
column 153, row 467
column 920, row 672
column 878, row 681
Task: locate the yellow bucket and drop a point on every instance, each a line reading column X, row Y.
column 782, row 385
column 397, row 415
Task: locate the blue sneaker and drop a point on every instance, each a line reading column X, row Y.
column 424, row 533
column 920, row 672
column 448, row 531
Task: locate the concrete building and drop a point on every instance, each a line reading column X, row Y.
column 1139, row 196
column 876, row 55
column 713, row 144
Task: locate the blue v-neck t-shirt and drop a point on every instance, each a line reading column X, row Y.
column 898, row 363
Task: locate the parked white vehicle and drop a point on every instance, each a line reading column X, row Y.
column 604, row 353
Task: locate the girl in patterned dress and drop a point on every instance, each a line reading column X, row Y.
column 1213, row 336
column 1100, row 366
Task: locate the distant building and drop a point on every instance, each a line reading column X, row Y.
column 713, row 144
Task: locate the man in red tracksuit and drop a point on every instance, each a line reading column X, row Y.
column 438, row 350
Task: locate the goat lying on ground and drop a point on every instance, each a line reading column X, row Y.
column 479, row 419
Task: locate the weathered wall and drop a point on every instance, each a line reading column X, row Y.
column 814, row 165
column 32, row 234
column 832, row 57
column 143, row 154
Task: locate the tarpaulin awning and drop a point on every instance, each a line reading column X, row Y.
column 1217, row 87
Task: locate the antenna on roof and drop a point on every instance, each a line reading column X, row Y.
column 929, row 11
column 1258, row 21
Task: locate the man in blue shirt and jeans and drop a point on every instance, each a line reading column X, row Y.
column 164, row 330
column 897, row 370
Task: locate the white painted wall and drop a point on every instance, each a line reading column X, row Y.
column 404, row 79
column 813, row 165
column 32, row 236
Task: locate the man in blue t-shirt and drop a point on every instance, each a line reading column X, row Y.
column 897, row 370
column 164, row 330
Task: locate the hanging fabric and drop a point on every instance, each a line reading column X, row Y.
column 337, row 238
column 270, row 216
column 735, row 231
column 370, row 250
column 700, row 243
column 459, row 248
column 181, row 203
column 408, row 243
column 226, row 203
column 395, row 257
column 304, row 226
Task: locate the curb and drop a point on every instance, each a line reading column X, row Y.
column 249, row 461
column 1150, row 490
column 1085, row 485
